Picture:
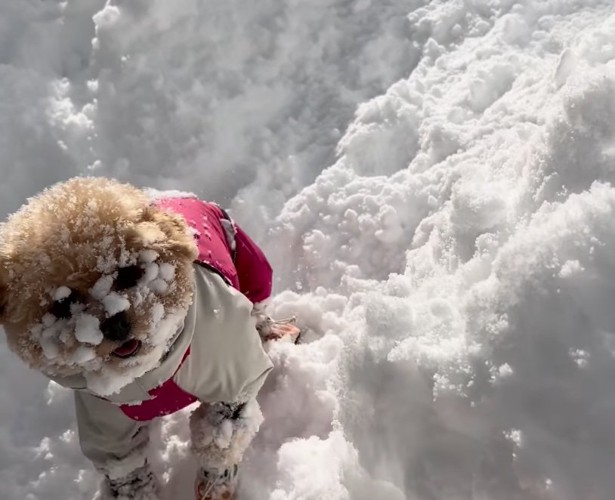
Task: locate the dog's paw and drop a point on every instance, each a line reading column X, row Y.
column 140, row 484
column 221, row 433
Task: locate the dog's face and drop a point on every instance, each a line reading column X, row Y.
column 94, row 280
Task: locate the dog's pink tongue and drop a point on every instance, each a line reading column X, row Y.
column 127, row 348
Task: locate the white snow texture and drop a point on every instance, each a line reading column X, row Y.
column 433, row 183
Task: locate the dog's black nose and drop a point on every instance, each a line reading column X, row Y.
column 116, row 328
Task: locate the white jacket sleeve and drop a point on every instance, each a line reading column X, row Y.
column 114, row 443
column 227, row 361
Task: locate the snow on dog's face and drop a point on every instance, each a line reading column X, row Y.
column 94, row 281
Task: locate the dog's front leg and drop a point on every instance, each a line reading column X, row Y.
column 117, row 446
column 221, row 433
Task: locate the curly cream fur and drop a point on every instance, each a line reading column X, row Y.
column 72, row 234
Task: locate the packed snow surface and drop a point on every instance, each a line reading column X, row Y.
column 433, row 183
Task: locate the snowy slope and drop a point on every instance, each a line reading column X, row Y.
column 432, row 180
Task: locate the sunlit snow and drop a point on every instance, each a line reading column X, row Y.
column 432, row 181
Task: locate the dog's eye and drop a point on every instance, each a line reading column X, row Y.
column 61, row 308
column 127, row 277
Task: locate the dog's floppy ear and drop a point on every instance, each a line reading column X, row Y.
column 176, row 236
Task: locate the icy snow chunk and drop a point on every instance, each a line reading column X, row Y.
column 106, row 17
column 115, row 303
column 48, row 320
column 61, row 293
column 52, row 330
column 570, row 268
column 223, row 435
column 87, row 329
column 102, row 287
column 50, row 347
column 158, row 286
column 580, row 357
column 505, row 370
column 157, row 314
column 151, row 273
column 66, row 337
column 36, row 331
column 515, row 436
column 167, row 271
column 148, row 256
column 93, row 86
column 501, row 372
column 82, row 355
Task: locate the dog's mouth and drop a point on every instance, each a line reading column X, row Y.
column 128, row 349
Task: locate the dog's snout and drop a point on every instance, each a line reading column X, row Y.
column 116, row 328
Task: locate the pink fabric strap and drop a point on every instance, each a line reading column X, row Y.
column 165, row 400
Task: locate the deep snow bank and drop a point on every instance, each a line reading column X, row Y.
column 453, row 265
column 482, row 366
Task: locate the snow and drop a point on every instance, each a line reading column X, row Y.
column 115, row 303
column 87, row 329
column 83, row 355
column 151, row 273
column 102, row 287
column 432, row 181
column 50, row 347
column 158, row 286
column 166, row 271
column 148, row 256
column 61, row 293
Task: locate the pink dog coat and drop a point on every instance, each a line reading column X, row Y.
column 228, row 251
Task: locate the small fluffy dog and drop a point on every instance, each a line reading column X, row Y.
column 142, row 305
